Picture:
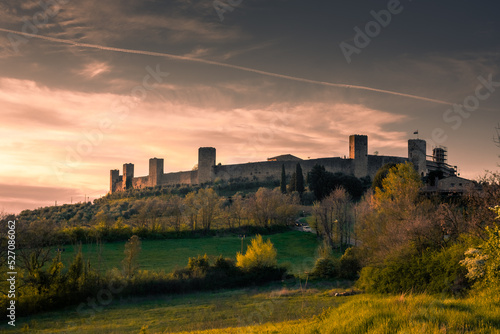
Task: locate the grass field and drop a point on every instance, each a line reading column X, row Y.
column 391, row 314
column 290, row 306
column 277, row 309
column 295, row 249
column 195, row 311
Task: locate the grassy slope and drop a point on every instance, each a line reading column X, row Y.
column 273, row 309
column 390, row 314
column 189, row 312
column 297, row 249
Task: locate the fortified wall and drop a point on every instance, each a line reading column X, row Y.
column 359, row 164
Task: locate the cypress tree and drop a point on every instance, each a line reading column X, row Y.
column 283, row 180
column 299, row 179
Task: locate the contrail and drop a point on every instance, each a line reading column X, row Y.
column 211, row 62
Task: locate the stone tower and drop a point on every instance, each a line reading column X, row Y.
column 114, row 176
column 358, row 151
column 417, row 149
column 206, row 163
column 155, row 171
column 128, row 175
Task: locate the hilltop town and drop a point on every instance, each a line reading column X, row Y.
column 358, row 163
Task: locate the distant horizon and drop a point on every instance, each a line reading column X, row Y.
column 143, row 165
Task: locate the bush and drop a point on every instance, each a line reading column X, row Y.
column 483, row 263
column 199, row 263
column 350, row 264
column 430, row 271
column 223, row 264
column 326, row 267
column 259, row 254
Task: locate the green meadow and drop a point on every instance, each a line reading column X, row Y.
column 296, row 250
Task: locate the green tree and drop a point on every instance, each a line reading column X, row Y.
column 381, row 174
column 318, row 180
column 132, row 250
column 322, row 183
column 400, row 188
column 299, row 179
column 396, row 216
column 283, row 180
column 75, row 271
column 259, row 254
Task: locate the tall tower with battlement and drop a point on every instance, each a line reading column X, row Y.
column 206, row 164
column 358, row 151
column 114, row 178
column 417, row 149
column 128, row 176
column 155, row 171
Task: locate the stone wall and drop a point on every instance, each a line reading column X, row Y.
column 185, row 178
column 377, row 161
column 359, row 164
column 271, row 170
column 140, row 182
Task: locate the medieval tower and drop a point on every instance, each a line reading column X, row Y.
column 155, row 171
column 114, row 180
column 417, row 149
column 206, row 164
column 358, row 151
column 128, row 176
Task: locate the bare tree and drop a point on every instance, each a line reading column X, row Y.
column 268, row 207
column 237, row 208
column 209, row 203
column 175, row 211
column 132, row 250
column 191, row 210
column 334, row 217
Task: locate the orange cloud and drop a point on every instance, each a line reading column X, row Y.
column 55, row 137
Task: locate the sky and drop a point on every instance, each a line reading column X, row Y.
column 86, row 86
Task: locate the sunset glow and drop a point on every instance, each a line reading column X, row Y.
column 70, row 113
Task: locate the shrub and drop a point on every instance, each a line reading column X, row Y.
column 429, row 271
column 350, row 264
column 259, row 254
column 223, row 264
column 326, row 267
column 198, row 265
column 483, row 263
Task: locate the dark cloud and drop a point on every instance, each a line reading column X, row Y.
column 56, row 93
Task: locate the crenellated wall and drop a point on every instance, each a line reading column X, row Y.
column 359, row 164
column 271, row 170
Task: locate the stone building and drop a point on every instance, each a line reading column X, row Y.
column 359, row 164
